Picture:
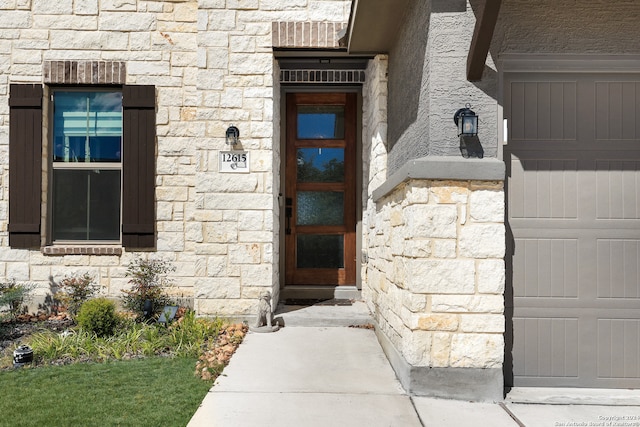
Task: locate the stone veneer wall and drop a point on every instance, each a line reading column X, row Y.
column 435, row 283
column 374, row 144
column 212, row 64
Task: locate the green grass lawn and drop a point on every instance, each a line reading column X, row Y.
column 156, row 391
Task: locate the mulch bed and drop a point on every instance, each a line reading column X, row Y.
column 13, row 332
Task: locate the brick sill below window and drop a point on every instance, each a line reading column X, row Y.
column 81, row 250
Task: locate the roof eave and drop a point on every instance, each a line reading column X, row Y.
column 373, row 25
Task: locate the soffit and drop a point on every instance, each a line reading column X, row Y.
column 373, row 24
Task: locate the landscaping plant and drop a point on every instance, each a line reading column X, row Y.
column 98, row 316
column 190, row 334
column 75, row 290
column 148, row 281
column 189, row 337
column 12, row 297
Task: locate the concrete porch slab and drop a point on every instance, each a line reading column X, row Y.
column 332, row 313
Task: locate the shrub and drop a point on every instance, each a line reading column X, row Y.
column 148, row 279
column 75, row 290
column 13, row 295
column 188, row 335
column 98, row 316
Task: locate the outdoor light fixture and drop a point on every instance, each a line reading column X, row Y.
column 232, row 135
column 467, row 121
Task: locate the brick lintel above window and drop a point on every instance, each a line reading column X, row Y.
column 85, row 72
column 81, row 250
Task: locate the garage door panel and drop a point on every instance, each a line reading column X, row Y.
column 618, row 348
column 617, row 187
column 618, row 273
column 546, row 268
column 543, row 110
column 543, row 188
column 617, row 110
column 549, row 347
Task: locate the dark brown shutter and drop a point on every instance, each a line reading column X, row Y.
column 138, row 166
column 25, row 165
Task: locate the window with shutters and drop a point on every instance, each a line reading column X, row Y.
column 86, row 165
column 101, row 157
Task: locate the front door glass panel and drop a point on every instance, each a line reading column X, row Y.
column 320, row 164
column 320, row 251
column 320, row 122
column 320, row 208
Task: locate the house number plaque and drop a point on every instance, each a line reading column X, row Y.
column 234, row 161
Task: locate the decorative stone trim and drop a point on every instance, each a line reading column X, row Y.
column 443, row 168
column 85, row 72
column 82, row 250
column 322, row 76
column 307, row 34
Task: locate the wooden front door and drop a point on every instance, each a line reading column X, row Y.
column 320, row 196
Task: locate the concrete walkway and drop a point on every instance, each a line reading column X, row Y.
column 310, row 375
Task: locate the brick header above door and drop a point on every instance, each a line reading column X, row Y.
column 307, row 34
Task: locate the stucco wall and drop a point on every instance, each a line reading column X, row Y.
column 409, row 88
column 212, row 64
column 566, row 26
column 427, row 84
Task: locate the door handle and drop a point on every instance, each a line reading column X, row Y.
column 288, row 213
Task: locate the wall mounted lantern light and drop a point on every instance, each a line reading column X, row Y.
column 467, row 121
column 232, row 135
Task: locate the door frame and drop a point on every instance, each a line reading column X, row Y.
column 322, row 291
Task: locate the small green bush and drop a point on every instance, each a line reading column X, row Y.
column 98, row 316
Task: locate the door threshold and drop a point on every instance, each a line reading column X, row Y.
column 317, row 292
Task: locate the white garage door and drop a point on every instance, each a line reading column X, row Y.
column 573, row 188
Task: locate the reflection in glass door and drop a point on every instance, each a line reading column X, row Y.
column 320, row 189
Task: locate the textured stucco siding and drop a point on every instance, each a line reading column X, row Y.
column 427, row 84
column 409, row 88
column 567, row 26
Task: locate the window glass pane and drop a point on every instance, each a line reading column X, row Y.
column 320, row 122
column 87, row 126
column 86, row 204
column 320, row 164
column 320, row 251
column 320, row 208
